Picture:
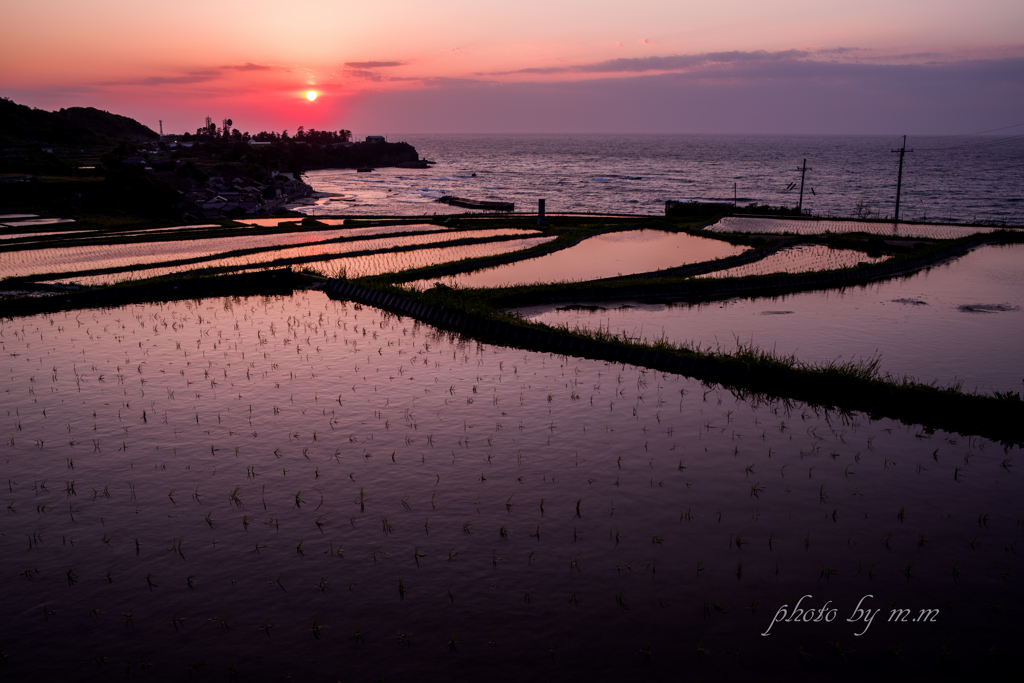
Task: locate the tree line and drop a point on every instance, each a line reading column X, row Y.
column 311, row 136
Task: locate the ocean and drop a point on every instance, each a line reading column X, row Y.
column 957, row 179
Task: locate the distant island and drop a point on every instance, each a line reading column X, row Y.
column 84, row 162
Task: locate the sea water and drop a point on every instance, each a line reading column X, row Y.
column 958, row 179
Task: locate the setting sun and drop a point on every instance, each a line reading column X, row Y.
column 311, row 95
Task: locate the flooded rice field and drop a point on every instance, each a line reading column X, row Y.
column 271, row 222
column 801, row 258
column 822, row 226
column 368, row 230
column 20, row 235
column 608, row 255
column 377, row 264
column 80, row 258
column 173, row 228
column 961, row 321
column 295, row 488
column 57, row 259
column 394, row 229
column 353, row 266
column 25, row 220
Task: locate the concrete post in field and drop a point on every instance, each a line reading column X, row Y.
column 899, row 180
column 803, row 173
column 541, row 220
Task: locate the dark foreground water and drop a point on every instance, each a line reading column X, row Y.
column 957, row 179
column 293, row 488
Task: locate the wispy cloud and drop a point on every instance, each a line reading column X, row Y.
column 372, row 65
column 664, row 63
column 365, row 74
column 838, row 50
column 249, row 66
column 935, row 57
column 191, row 77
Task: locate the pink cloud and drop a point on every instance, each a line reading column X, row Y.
column 664, row 63
column 249, row 66
column 373, row 65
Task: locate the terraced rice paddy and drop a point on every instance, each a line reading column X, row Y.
column 961, row 321
column 819, row 227
column 353, row 266
column 173, row 228
column 377, row 264
column 298, row 487
column 394, row 229
column 272, row 222
column 60, row 259
column 607, row 255
column 801, row 258
column 20, row 235
column 64, row 259
column 16, row 220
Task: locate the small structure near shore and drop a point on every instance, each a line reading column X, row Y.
column 696, row 209
column 477, row 204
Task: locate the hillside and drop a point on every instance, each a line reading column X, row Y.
column 21, row 125
column 113, row 126
column 92, row 164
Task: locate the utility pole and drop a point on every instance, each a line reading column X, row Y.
column 803, row 172
column 899, row 178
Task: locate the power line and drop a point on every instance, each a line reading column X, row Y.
column 1002, row 168
column 985, row 143
column 982, row 132
column 803, row 173
column 972, row 170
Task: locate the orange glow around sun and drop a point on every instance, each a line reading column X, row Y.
column 311, row 95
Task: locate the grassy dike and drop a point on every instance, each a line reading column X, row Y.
column 680, row 286
column 261, row 283
column 845, row 387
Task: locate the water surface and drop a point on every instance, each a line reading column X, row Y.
column 820, row 227
column 292, row 486
column 962, row 321
column 608, row 255
column 801, row 258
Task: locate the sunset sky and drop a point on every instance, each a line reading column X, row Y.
column 405, row 66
